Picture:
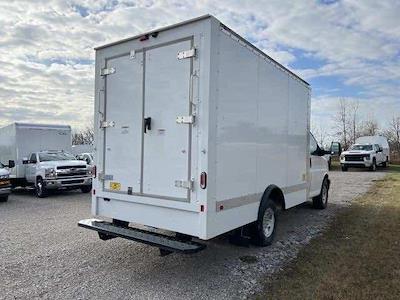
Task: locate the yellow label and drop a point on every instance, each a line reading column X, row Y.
column 115, row 186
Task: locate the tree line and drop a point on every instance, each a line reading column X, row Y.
column 84, row 136
column 349, row 126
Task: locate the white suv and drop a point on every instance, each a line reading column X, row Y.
column 364, row 156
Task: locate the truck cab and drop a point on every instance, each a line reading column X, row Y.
column 88, row 157
column 49, row 170
column 5, row 184
column 363, row 156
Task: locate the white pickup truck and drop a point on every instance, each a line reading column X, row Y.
column 364, row 156
column 5, row 184
column 57, row 170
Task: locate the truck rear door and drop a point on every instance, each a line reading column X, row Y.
column 148, row 122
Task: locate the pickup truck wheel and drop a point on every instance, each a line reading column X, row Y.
column 321, row 201
column 384, row 164
column 3, row 199
column 40, row 189
column 86, row 189
column 264, row 227
column 344, row 168
column 373, row 166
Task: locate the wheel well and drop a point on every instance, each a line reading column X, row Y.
column 38, row 177
column 276, row 195
column 327, row 178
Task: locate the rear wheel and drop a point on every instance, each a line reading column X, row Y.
column 3, row 198
column 86, row 189
column 264, row 227
column 321, row 201
column 40, row 188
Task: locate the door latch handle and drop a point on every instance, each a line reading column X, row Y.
column 147, row 124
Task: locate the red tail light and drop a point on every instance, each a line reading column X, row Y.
column 94, row 171
column 203, row 180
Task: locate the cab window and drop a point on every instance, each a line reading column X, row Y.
column 313, row 144
column 33, row 159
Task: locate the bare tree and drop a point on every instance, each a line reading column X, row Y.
column 84, row 136
column 369, row 127
column 342, row 122
column 354, row 122
column 392, row 133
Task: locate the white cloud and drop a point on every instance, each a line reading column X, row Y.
column 46, row 48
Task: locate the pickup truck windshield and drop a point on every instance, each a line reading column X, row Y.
column 361, row 147
column 55, row 156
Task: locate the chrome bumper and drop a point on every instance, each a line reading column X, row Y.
column 365, row 163
column 5, row 190
column 66, row 182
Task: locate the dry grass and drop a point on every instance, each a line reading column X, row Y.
column 358, row 257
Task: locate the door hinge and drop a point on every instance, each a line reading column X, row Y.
column 185, row 119
column 187, row 53
column 105, row 124
column 185, row 184
column 107, row 71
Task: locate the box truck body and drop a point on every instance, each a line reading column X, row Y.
column 192, row 125
column 19, row 140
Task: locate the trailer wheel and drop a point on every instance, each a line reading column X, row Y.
column 264, row 227
column 4, row 199
column 40, row 188
column 321, row 201
column 86, row 189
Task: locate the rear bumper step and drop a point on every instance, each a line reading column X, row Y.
column 108, row 230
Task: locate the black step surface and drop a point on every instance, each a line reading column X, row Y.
column 165, row 242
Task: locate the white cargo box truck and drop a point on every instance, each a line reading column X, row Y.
column 19, row 140
column 199, row 132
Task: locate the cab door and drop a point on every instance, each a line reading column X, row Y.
column 318, row 168
column 30, row 169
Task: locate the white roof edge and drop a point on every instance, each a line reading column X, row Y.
column 39, row 125
column 155, row 30
column 203, row 17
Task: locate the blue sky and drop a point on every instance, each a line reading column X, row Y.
column 345, row 49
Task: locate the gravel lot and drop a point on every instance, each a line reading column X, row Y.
column 43, row 254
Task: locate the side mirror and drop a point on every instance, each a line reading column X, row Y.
column 11, row 164
column 336, row 148
column 320, row 152
column 25, row 161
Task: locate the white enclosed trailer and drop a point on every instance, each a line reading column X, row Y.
column 19, row 140
column 194, row 127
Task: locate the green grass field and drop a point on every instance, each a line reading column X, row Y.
column 358, row 257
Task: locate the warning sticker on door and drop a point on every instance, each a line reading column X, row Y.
column 115, row 186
